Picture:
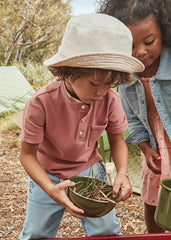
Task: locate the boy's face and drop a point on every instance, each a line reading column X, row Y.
column 87, row 89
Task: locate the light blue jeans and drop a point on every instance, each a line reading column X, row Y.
column 43, row 214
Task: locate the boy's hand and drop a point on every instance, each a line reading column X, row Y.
column 123, row 186
column 58, row 193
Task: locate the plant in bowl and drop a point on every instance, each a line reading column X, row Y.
column 92, row 195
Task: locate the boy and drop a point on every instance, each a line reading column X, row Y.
column 64, row 120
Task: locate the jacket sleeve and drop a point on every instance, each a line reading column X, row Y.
column 138, row 132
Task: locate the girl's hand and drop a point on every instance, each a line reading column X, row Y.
column 123, row 186
column 58, row 193
column 153, row 160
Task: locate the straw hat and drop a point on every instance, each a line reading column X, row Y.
column 96, row 41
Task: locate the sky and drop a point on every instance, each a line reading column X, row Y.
column 83, row 6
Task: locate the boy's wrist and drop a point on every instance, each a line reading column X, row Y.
column 49, row 189
column 122, row 173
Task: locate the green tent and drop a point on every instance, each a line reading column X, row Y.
column 15, row 90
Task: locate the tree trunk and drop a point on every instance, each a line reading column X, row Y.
column 8, row 54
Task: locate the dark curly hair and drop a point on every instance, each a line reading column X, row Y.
column 131, row 11
column 114, row 78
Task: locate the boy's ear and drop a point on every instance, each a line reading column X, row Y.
column 71, row 79
column 68, row 80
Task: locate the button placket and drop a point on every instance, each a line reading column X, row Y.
column 82, row 127
column 82, row 124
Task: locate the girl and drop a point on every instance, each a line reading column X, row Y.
column 147, row 100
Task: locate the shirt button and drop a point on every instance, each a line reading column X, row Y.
column 81, row 132
column 142, row 101
column 83, row 106
column 83, row 120
column 158, row 100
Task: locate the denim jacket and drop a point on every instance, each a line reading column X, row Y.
column 134, row 102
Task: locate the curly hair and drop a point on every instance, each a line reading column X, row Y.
column 111, row 77
column 131, row 11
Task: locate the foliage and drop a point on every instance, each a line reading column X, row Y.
column 31, row 29
column 8, row 125
column 94, row 189
column 37, row 74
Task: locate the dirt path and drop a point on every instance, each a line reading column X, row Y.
column 13, row 188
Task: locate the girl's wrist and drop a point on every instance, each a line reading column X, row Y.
column 144, row 146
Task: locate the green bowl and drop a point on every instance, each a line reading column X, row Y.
column 163, row 211
column 92, row 207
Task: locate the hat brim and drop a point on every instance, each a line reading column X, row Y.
column 109, row 61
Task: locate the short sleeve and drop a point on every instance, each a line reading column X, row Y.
column 33, row 122
column 117, row 122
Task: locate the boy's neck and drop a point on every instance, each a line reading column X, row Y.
column 69, row 90
column 70, row 93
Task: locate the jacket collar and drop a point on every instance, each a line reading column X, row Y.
column 164, row 70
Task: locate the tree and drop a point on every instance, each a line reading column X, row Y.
column 31, row 29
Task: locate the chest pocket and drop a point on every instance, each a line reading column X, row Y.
column 95, row 133
column 165, row 91
column 164, row 100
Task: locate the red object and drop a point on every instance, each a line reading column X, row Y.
column 163, row 236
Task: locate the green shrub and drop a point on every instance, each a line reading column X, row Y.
column 6, row 125
column 37, row 74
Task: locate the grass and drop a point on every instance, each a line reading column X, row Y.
column 94, row 189
column 7, row 125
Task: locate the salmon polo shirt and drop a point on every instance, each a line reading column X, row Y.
column 68, row 130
